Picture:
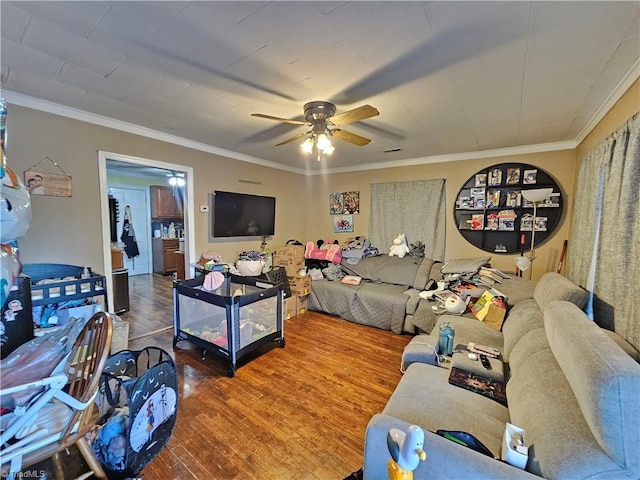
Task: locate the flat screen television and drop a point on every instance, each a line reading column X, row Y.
column 235, row 215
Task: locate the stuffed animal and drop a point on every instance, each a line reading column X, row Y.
column 399, row 247
column 417, row 251
column 406, row 449
column 333, row 272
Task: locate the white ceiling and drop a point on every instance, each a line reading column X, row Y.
column 451, row 80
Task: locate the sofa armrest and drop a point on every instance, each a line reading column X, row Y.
column 445, row 459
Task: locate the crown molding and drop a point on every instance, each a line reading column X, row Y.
column 623, row 85
column 76, row 114
column 457, row 157
column 50, row 107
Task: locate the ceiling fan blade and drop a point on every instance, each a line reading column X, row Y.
column 292, row 139
column 278, row 119
column 355, row 115
column 350, row 137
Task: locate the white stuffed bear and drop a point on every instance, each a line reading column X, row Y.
column 399, row 247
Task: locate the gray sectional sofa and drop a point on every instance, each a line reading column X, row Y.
column 387, row 298
column 574, row 388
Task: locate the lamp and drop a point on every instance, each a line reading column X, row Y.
column 534, row 196
column 176, row 180
column 320, row 140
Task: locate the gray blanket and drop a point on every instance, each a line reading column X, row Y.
column 378, row 301
column 378, row 305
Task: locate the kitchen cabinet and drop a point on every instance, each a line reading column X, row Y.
column 166, row 202
column 164, row 257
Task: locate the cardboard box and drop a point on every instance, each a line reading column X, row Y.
column 289, row 306
column 291, row 257
column 301, row 304
column 299, row 285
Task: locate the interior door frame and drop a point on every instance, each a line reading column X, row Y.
column 189, row 211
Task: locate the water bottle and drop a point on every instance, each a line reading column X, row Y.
column 445, row 339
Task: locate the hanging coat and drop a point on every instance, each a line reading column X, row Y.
column 128, row 237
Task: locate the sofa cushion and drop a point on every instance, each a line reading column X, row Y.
column 413, row 301
column 385, row 269
column 604, row 379
column 425, row 273
column 522, row 318
column 516, row 289
column 531, row 342
column 424, row 318
column 424, row 397
column 553, row 286
column 560, row 443
column 469, row 329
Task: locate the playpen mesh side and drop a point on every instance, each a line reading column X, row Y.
column 138, row 401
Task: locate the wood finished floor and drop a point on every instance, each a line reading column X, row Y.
column 150, row 303
column 294, row 412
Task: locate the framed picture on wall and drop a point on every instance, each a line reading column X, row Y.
column 343, row 224
column 336, row 203
column 351, row 203
column 52, row 184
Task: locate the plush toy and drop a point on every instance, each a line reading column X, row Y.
column 399, row 247
column 417, row 251
column 333, row 272
column 406, row 449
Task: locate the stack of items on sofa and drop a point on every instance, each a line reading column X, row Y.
column 571, row 389
column 397, row 294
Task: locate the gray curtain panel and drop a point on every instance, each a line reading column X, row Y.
column 415, row 208
column 608, row 204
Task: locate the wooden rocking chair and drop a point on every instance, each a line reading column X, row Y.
column 60, row 416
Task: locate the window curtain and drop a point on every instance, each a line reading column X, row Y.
column 415, row 208
column 604, row 254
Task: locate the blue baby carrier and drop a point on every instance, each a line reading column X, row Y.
column 138, row 403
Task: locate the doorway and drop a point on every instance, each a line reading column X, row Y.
column 135, row 200
column 140, row 164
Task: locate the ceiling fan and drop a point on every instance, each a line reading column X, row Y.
column 321, row 117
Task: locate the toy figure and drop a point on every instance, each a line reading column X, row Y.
column 406, row 452
column 399, row 247
column 150, row 418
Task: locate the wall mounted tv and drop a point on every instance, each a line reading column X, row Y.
column 237, row 215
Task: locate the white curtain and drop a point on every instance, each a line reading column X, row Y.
column 606, row 231
column 416, row 208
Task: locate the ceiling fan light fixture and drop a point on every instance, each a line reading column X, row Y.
column 177, row 180
column 320, row 116
column 307, row 145
column 324, row 144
